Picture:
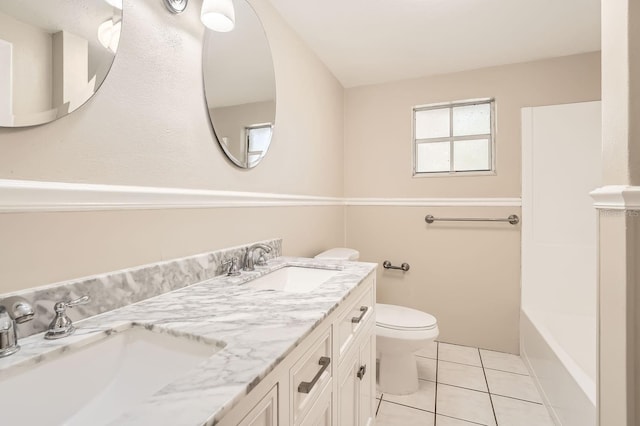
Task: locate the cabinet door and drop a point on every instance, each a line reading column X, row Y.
column 348, row 389
column 265, row 413
column 367, row 377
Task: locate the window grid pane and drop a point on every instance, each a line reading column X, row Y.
column 433, row 123
column 434, row 157
column 471, row 155
column 471, row 120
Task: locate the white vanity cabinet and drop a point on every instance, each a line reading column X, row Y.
column 357, row 369
column 265, row 412
column 328, row 379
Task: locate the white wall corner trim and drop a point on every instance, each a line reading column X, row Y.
column 36, row 196
column 617, row 197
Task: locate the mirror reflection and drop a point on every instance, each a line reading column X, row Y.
column 240, row 87
column 54, row 55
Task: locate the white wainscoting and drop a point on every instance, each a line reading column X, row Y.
column 36, row 196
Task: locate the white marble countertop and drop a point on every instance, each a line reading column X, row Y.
column 256, row 329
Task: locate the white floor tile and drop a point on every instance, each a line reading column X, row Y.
column 459, row 354
column 396, row 415
column 465, row 404
column 450, row 421
column 466, row 376
column 424, row 398
column 426, row 368
column 512, row 412
column 513, row 385
column 429, row 351
column 502, row 361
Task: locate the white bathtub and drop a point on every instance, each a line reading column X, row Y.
column 565, row 373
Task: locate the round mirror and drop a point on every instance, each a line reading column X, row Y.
column 54, row 55
column 240, row 87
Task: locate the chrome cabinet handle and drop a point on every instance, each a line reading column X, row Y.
column 363, row 312
column 362, row 371
column 305, row 387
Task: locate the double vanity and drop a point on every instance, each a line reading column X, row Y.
column 290, row 343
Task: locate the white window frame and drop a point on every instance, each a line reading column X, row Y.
column 451, row 139
column 247, row 134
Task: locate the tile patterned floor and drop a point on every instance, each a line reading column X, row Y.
column 464, row 386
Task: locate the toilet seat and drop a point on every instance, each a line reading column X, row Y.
column 402, row 318
column 399, row 322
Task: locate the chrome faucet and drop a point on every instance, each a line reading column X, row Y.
column 249, row 261
column 62, row 326
column 20, row 312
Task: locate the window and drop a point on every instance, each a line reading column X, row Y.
column 453, row 138
column 258, row 139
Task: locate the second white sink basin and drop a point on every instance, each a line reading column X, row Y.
column 293, row 279
column 94, row 384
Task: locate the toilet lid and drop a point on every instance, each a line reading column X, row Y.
column 402, row 318
column 339, row 253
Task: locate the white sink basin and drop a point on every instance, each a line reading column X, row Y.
column 293, row 279
column 94, row 384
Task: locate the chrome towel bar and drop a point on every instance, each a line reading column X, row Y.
column 387, row 265
column 512, row 219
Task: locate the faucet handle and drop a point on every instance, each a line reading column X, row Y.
column 62, row 326
column 61, row 307
column 234, row 269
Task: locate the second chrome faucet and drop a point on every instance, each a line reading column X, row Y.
column 249, row 259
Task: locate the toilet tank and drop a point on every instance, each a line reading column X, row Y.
column 339, row 253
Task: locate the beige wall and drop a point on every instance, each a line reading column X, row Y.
column 43, row 248
column 469, row 275
column 148, row 123
column 378, row 124
column 148, row 126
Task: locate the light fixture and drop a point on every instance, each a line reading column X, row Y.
column 218, row 15
column 115, row 3
column 176, row 6
column 109, row 34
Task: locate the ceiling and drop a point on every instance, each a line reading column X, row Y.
column 374, row 41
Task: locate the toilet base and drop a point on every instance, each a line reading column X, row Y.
column 398, row 374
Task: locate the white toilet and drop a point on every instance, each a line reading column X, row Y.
column 400, row 332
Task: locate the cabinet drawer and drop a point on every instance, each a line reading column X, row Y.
column 310, row 375
column 265, row 413
column 354, row 319
column 321, row 413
